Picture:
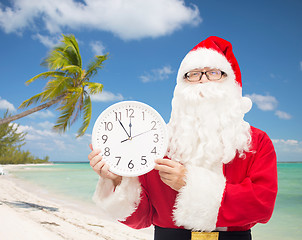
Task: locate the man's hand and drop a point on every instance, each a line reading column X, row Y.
column 101, row 168
column 171, row 173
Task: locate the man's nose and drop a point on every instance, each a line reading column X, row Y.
column 204, row 79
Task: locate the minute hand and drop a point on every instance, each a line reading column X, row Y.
column 135, row 136
column 124, row 128
column 141, row 133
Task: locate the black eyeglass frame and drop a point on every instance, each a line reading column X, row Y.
column 205, row 73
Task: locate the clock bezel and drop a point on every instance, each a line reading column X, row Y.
column 158, row 117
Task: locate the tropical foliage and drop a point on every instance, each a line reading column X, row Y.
column 11, row 140
column 68, row 86
column 10, row 137
column 21, row 157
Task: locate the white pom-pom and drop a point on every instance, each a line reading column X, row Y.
column 246, row 104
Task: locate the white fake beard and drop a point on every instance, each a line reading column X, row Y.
column 206, row 126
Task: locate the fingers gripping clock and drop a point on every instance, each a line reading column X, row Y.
column 131, row 135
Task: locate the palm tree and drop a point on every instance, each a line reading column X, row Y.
column 68, row 86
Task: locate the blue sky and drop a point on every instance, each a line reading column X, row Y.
column 146, row 41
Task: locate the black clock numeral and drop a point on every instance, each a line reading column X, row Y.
column 118, row 116
column 104, row 138
column 143, row 160
column 118, row 161
column 154, row 150
column 156, row 138
column 108, row 126
column 130, row 113
column 143, row 116
column 130, row 165
column 107, row 151
column 153, row 125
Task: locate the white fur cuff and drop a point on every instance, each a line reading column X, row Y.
column 121, row 202
column 198, row 202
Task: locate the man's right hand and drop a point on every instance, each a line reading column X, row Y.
column 101, row 168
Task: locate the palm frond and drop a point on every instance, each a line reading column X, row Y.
column 65, row 54
column 72, row 69
column 32, row 100
column 70, row 99
column 63, row 121
column 56, row 87
column 78, row 107
column 86, row 116
column 94, row 87
column 71, row 46
column 95, row 65
column 45, row 75
column 69, row 109
column 56, row 59
column 75, row 90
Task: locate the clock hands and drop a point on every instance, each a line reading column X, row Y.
column 135, row 136
column 124, row 128
column 130, row 125
column 141, row 133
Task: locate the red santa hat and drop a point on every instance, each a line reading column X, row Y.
column 214, row 52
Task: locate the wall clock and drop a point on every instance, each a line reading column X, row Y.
column 131, row 135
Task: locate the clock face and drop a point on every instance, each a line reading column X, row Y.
column 131, row 135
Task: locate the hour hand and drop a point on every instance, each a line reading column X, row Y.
column 124, row 128
column 130, row 126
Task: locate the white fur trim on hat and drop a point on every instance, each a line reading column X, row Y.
column 198, row 202
column 121, row 202
column 246, row 104
column 203, row 57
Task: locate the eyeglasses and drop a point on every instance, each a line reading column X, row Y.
column 195, row 76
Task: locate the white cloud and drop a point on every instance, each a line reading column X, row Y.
column 86, row 137
column 42, row 114
column 31, row 132
column 45, row 124
column 42, row 141
column 105, row 96
column 283, row 115
column 157, row 74
column 48, row 41
column 4, row 104
column 37, row 134
column 290, row 142
column 60, row 144
column 23, row 128
column 45, row 137
column 128, row 19
column 264, row 103
column 97, row 47
column 287, row 146
column 268, row 103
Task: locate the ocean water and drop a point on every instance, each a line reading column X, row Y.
column 78, row 181
column 72, row 180
column 286, row 222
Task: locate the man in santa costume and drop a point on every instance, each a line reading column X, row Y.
column 219, row 177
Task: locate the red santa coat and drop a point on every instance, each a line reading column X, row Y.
column 242, row 195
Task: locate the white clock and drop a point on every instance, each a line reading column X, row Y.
column 131, row 135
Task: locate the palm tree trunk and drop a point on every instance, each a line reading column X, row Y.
column 30, row 111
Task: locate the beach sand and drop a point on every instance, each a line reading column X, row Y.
column 25, row 215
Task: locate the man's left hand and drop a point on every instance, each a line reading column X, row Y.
column 171, row 173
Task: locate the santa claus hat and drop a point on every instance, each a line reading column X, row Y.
column 214, row 52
